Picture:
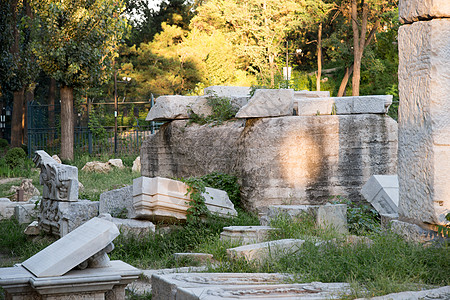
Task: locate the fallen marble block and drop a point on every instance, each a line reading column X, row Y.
column 268, row 103
column 313, row 106
column 414, row 233
column 95, row 283
column 245, row 235
column 59, row 218
column 118, row 203
column 7, row 208
column 72, row 249
column 163, row 199
column 26, row 213
column 377, row 104
column 170, row 108
column 131, row 227
column 266, row 250
column 326, row 216
column 32, row 229
column 165, row 286
column 437, row 293
column 382, row 192
column 208, row 286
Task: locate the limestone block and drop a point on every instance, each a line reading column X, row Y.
column 313, row 106
column 412, row 232
column 329, row 215
column 165, row 286
column 362, row 104
column 60, row 181
column 227, row 91
column 201, row 106
column 313, row 290
column 117, row 163
column 107, row 283
column 118, row 203
column 311, row 94
column 437, row 293
column 60, row 218
column 382, row 192
column 424, row 125
column 218, row 202
column 196, row 257
column 414, row 10
column 246, row 234
column 29, row 190
column 286, row 160
column 160, row 199
column 163, row 199
column 71, row 250
column 26, row 213
column 32, row 229
column 268, row 103
column 97, row 166
column 170, row 108
column 136, row 228
column 266, row 250
column 6, row 208
column 136, row 165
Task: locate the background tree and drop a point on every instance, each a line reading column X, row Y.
column 76, row 45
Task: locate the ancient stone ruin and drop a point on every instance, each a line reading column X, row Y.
column 60, row 209
column 424, row 128
column 74, row 267
column 286, row 147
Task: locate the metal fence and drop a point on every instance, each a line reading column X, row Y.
column 44, row 134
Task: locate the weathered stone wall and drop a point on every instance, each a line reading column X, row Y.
column 424, row 113
column 286, row 160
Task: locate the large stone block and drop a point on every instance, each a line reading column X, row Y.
column 286, row 160
column 268, row 103
column 59, row 218
column 163, row 199
column 414, row 10
column 73, row 249
column 245, row 235
column 165, row 286
column 26, row 212
column 382, row 192
column 377, row 104
column 266, row 250
column 424, row 125
column 107, row 283
column 118, row 203
column 313, row 290
column 227, row 91
column 436, row 293
column 413, row 232
column 313, row 106
column 6, row 208
column 326, row 216
column 60, row 181
column 170, row 108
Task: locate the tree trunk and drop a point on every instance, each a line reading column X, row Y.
column 272, row 73
column 29, row 97
column 16, row 119
column 319, row 57
column 67, row 122
column 51, row 107
column 348, row 72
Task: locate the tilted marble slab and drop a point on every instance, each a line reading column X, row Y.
column 72, row 249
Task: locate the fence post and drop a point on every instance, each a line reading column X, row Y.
column 90, row 142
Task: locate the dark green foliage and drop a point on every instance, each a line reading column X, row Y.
column 3, row 144
column 15, row 157
column 225, row 182
column 197, row 208
column 361, row 218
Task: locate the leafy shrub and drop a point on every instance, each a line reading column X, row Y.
column 222, row 110
column 361, row 218
column 3, row 144
column 15, row 157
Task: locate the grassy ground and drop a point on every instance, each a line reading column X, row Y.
column 388, row 264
